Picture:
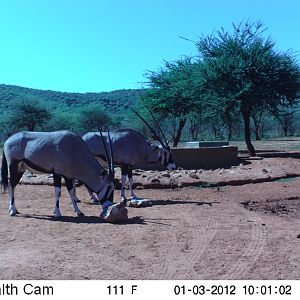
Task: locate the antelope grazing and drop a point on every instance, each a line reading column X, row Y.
column 130, row 148
column 61, row 153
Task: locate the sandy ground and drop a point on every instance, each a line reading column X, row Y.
column 246, row 231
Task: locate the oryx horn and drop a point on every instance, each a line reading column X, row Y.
column 112, row 165
column 159, row 128
column 155, row 134
column 106, row 152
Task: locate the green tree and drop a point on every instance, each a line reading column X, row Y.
column 172, row 94
column 286, row 119
column 6, row 127
column 29, row 115
column 93, row 117
column 62, row 121
column 243, row 70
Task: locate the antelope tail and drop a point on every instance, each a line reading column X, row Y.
column 4, row 174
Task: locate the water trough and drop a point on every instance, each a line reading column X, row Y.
column 206, row 156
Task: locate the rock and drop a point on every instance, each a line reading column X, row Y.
column 155, row 180
column 165, row 175
column 177, row 175
column 136, row 174
column 140, row 187
column 194, row 176
column 139, row 202
column 115, row 213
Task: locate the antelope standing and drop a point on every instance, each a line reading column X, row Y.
column 130, row 148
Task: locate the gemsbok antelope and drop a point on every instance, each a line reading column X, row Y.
column 130, row 148
column 61, row 153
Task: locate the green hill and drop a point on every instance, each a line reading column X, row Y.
column 115, row 102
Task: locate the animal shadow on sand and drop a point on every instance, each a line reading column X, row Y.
column 82, row 219
column 173, row 202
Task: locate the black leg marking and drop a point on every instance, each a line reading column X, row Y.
column 14, row 179
column 129, row 173
column 124, row 169
column 71, row 189
column 57, row 185
column 69, row 183
column 57, row 180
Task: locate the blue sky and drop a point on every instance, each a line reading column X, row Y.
column 104, row 45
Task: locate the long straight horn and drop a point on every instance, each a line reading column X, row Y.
column 112, row 164
column 159, row 128
column 153, row 131
column 105, row 149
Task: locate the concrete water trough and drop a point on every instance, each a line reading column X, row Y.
column 205, row 144
column 200, row 158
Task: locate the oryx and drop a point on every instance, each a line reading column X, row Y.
column 61, row 153
column 130, row 148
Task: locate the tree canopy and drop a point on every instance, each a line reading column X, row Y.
column 93, row 117
column 172, row 92
column 244, row 71
column 235, row 74
column 28, row 115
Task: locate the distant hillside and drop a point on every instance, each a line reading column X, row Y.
column 115, row 102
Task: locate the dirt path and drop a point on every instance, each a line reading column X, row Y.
column 188, row 233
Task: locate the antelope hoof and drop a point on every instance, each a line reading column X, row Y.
column 77, row 201
column 80, row 214
column 13, row 211
column 57, row 214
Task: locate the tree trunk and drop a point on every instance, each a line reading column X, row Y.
column 179, row 131
column 229, row 134
column 285, row 128
column 246, row 117
column 30, row 127
column 256, row 122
